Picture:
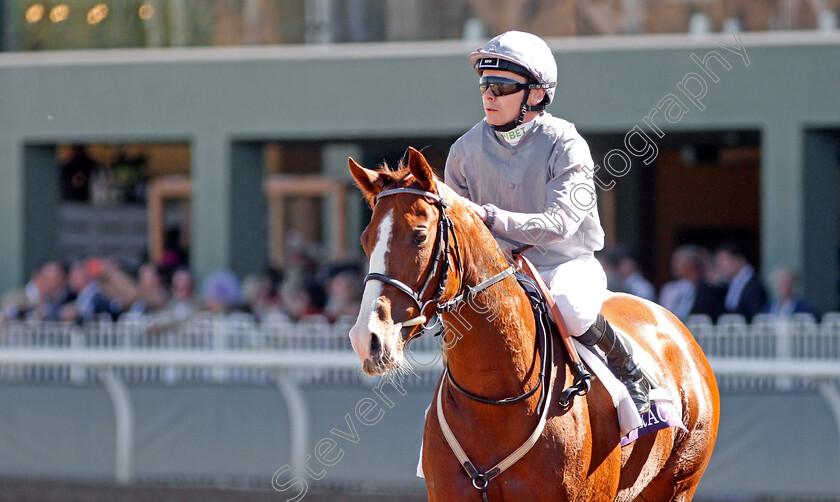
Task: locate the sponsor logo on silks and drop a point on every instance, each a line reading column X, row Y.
column 513, row 134
column 662, row 414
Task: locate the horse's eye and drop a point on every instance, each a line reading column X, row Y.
column 420, row 237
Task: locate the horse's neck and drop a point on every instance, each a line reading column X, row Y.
column 490, row 340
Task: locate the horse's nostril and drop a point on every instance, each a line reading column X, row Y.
column 375, row 345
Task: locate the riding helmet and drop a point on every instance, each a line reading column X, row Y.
column 521, row 53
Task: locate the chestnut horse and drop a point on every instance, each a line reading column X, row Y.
column 426, row 248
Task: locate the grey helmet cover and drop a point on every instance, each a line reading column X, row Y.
column 517, row 51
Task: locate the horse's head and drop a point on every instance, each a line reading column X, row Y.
column 408, row 246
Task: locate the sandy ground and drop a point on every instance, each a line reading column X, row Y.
column 12, row 490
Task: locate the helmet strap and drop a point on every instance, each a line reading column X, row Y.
column 525, row 108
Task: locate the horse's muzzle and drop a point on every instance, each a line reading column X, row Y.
column 369, row 347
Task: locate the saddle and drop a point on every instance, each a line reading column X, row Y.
column 538, row 305
column 663, row 412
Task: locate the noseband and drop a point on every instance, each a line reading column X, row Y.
column 441, row 256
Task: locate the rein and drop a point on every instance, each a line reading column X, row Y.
column 541, row 349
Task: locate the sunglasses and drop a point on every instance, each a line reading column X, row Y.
column 500, row 86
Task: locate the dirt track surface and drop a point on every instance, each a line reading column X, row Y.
column 55, row 491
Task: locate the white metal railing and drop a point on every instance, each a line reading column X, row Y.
column 770, row 352
column 766, row 354
column 232, row 348
column 237, row 348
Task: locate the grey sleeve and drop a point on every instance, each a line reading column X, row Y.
column 570, row 195
column 453, row 174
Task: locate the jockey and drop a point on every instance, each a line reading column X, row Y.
column 528, row 176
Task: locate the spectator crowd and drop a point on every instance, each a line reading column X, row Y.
column 711, row 283
column 703, row 282
column 103, row 288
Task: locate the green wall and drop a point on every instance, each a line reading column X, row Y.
column 223, row 101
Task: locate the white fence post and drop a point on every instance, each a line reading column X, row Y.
column 124, row 414
column 784, row 349
column 298, row 422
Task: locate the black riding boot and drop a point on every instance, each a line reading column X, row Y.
column 619, row 354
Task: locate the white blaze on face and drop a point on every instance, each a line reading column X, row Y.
column 368, row 321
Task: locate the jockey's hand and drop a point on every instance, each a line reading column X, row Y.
column 476, row 208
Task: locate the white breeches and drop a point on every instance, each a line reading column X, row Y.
column 579, row 288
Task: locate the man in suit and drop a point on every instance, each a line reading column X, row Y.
column 41, row 297
column 787, row 300
column 691, row 293
column 745, row 293
column 89, row 302
column 632, row 280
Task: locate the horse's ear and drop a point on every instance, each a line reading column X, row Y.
column 369, row 181
column 421, row 170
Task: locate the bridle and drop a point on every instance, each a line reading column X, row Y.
column 443, row 248
column 441, row 256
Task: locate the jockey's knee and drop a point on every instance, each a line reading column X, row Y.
column 578, row 318
column 593, row 334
